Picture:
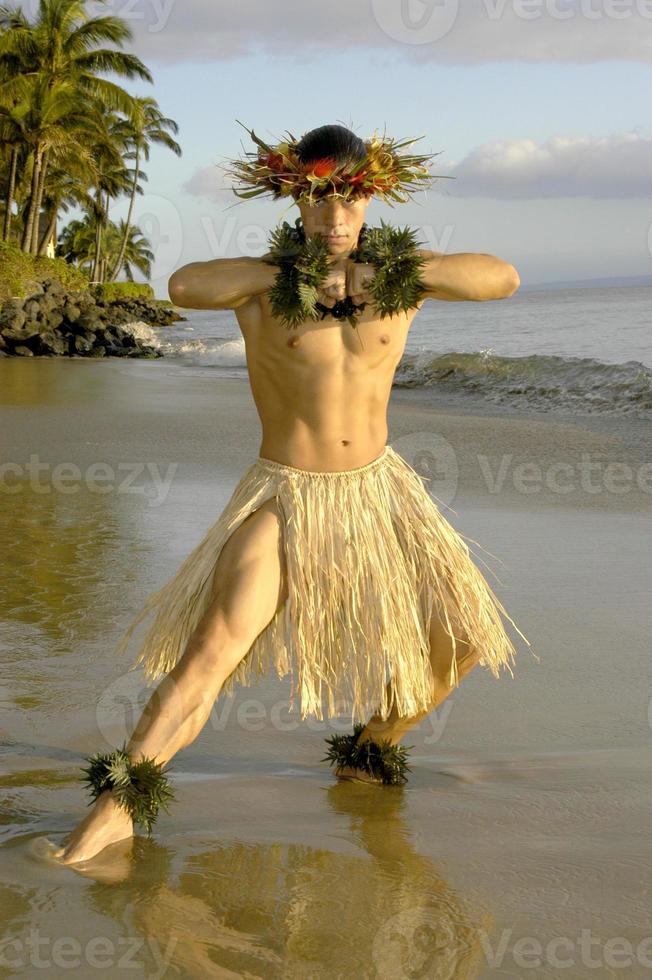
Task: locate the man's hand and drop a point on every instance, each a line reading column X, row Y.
column 347, row 279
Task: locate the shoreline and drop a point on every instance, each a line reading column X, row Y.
column 93, row 322
column 472, row 456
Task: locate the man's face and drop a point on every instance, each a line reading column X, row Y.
column 336, row 220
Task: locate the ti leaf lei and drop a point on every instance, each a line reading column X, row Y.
column 304, row 264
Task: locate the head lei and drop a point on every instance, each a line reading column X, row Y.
column 276, row 170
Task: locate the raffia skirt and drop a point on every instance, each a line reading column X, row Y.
column 369, row 560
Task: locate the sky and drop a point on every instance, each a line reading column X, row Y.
column 539, row 110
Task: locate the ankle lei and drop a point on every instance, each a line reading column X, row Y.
column 384, row 762
column 304, row 264
column 141, row 788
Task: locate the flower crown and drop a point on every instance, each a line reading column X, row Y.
column 277, row 170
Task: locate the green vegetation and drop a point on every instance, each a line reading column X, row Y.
column 19, row 272
column 70, row 137
column 108, row 291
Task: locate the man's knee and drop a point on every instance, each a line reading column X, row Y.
column 467, row 657
column 446, row 649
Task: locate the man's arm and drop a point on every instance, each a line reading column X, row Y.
column 467, row 276
column 220, row 284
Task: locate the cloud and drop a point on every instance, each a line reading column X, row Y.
column 210, row 183
column 438, row 31
column 617, row 166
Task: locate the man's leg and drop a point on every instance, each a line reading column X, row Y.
column 249, row 587
column 441, row 658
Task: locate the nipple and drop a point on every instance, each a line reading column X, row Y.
column 384, row 339
column 294, row 341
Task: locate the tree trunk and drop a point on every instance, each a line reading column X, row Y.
column 98, row 237
column 6, row 231
column 29, row 218
column 123, row 247
column 47, row 237
column 39, row 201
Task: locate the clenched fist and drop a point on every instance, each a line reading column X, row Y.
column 350, row 279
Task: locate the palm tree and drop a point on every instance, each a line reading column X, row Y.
column 148, row 125
column 54, row 58
column 57, row 124
column 77, row 245
column 67, row 179
column 13, row 133
column 136, row 254
column 13, row 136
column 112, row 178
column 77, row 242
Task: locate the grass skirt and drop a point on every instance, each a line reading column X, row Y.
column 370, row 559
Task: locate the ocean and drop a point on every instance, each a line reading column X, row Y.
column 580, row 351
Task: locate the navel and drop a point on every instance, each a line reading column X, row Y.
column 346, row 442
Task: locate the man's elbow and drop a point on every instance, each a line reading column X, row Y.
column 512, row 281
column 176, row 288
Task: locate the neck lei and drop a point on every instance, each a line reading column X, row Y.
column 304, row 264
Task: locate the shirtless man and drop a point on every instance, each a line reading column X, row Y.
column 322, row 393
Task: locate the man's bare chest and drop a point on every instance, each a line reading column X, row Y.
column 373, row 338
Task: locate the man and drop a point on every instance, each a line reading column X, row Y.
column 330, row 558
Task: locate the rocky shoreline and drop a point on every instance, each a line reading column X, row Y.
column 55, row 322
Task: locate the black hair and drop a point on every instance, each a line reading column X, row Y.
column 336, row 142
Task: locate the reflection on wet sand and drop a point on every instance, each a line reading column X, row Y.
column 63, row 549
column 292, row 910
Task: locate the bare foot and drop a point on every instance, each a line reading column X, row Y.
column 105, row 824
column 348, row 772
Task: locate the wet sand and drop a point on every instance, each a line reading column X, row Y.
column 520, row 845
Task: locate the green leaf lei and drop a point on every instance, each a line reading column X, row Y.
column 140, row 787
column 383, row 761
column 304, row 264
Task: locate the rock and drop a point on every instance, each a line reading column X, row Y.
column 82, row 344
column 32, row 308
column 12, row 318
column 23, row 331
column 87, row 322
column 51, row 342
column 53, row 321
column 70, row 311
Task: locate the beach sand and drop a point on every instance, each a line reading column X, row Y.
column 520, row 845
